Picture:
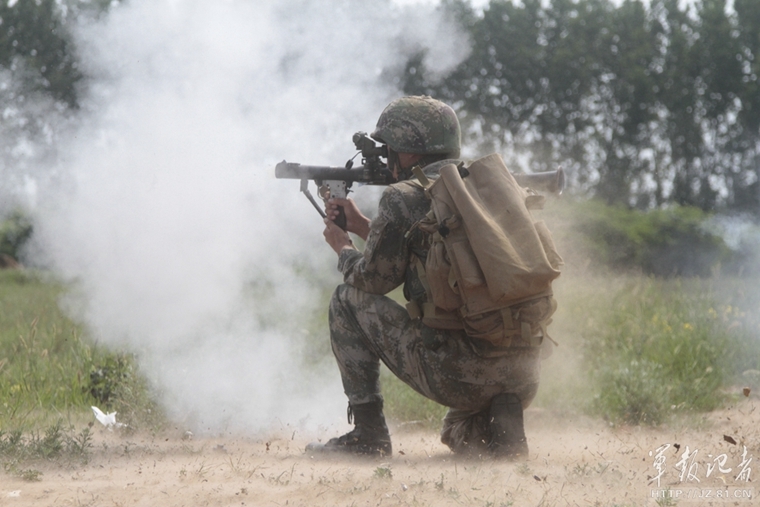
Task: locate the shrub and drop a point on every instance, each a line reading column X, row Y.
column 669, row 242
column 107, row 377
column 15, row 231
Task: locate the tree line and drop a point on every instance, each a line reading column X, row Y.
column 36, row 46
column 643, row 105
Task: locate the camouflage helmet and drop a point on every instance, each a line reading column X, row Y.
column 421, row 125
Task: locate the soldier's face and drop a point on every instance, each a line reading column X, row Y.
column 405, row 161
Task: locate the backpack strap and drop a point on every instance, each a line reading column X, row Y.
column 423, row 180
column 430, row 314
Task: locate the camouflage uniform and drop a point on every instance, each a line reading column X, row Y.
column 367, row 327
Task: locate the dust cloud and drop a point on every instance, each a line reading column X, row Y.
column 164, row 212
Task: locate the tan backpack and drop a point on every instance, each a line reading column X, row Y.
column 490, row 265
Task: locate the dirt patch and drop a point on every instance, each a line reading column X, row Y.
column 573, row 461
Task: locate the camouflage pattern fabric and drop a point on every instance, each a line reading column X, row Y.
column 419, row 124
column 439, row 364
column 367, row 327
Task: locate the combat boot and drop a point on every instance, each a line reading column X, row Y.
column 507, row 433
column 369, row 437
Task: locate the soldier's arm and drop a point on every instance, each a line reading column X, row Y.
column 382, row 266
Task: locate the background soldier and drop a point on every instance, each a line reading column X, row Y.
column 486, row 388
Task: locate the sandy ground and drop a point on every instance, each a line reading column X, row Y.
column 573, row 461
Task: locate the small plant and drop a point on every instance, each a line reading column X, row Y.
column 10, row 442
column 523, row 469
column 55, row 443
column 439, row 484
column 25, row 474
column 666, row 500
column 383, row 472
column 51, row 445
column 79, row 444
column 581, row 470
column 30, row 475
column 107, row 377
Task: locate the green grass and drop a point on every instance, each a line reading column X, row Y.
column 661, row 350
column 639, row 350
column 48, row 370
column 43, row 360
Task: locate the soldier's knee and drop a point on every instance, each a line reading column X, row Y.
column 527, row 393
column 347, row 297
column 338, row 299
column 342, row 314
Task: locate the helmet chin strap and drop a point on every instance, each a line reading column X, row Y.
column 393, row 161
column 406, row 173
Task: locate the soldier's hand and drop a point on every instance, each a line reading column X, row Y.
column 356, row 222
column 336, row 237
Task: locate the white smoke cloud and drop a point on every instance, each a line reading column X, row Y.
column 26, row 138
column 166, row 209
